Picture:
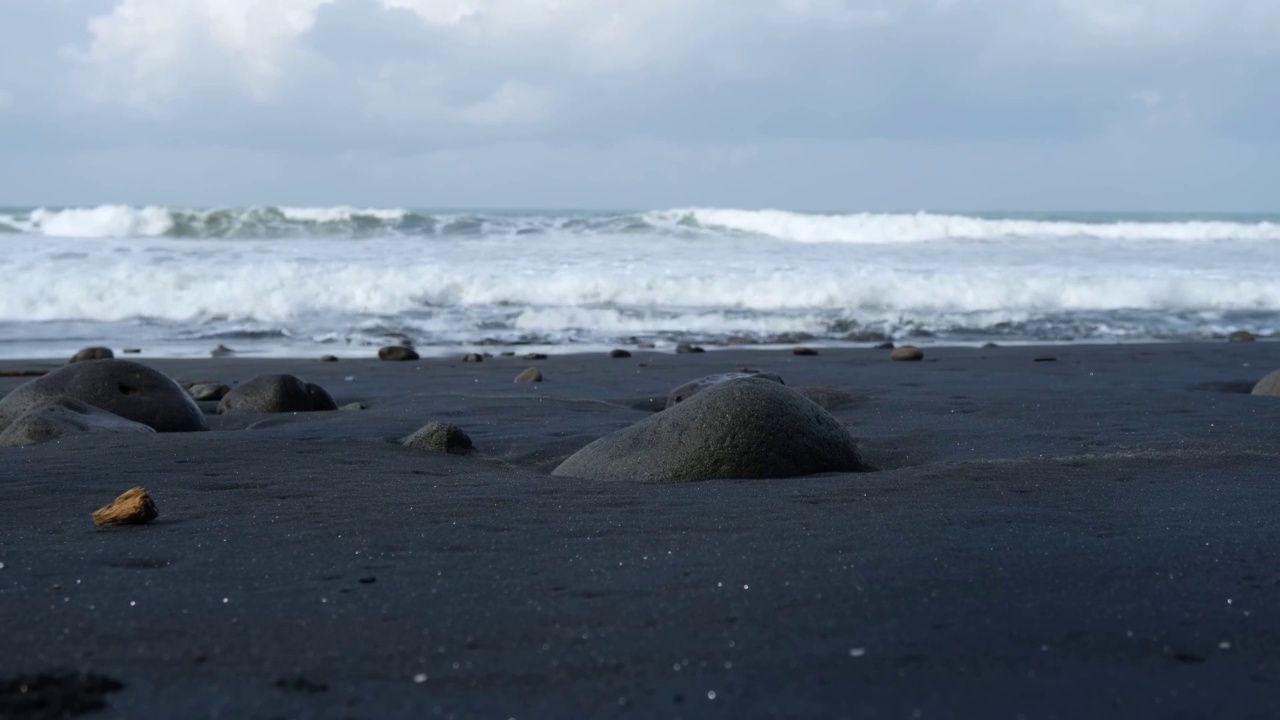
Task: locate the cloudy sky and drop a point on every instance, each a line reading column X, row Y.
column 801, row 104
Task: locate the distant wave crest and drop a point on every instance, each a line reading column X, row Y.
column 121, row 221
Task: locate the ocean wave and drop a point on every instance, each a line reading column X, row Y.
column 274, row 290
column 121, row 221
column 885, row 228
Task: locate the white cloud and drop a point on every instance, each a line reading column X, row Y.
column 144, row 51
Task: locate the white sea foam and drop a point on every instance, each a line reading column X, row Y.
column 164, row 276
column 922, row 227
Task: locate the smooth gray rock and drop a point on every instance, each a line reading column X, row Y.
column 208, row 391
column 64, row 416
column 397, row 353
column 276, row 394
column 1269, row 385
column 132, row 391
column 750, row 427
column 92, row 353
column 693, row 387
column 441, row 437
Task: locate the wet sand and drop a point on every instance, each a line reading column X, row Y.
column 1093, row 536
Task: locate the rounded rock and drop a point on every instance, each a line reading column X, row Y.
column 1269, row 385
column 441, row 437
column 907, row 353
column 693, row 387
column 531, row 375
column 397, row 353
column 121, row 387
column 745, row 428
column 64, row 416
column 276, row 394
column 92, row 353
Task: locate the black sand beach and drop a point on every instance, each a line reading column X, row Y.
column 1093, row 536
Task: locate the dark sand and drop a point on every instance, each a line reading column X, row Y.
column 1093, row 537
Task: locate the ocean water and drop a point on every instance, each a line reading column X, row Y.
column 303, row 281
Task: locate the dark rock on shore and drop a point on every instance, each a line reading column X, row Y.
column 619, row 353
column 531, row 375
column 132, row 391
column 221, row 351
column 473, row 357
column 907, row 353
column 203, row 391
column 804, row 351
column 276, row 394
column 691, row 388
column 328, row 358
column 745, row 428
column 92, row 353
column 684, row 348
column 64, row 416
column 1241, row 336
column 886, row 345
column 397, row 353
column 1269, row 385
column 441, row 437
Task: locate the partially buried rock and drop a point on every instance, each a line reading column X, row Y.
column 1269, row 385
column 397, row 353
column 92, row 353
column 205, row 391
column 132, row 391
column 746, row 428
column 276, row 394
column 64, row 416
column 441, row 437
column 886, row 345
column 134, row 507
column 473, row 357
column 693, row 387
column 804, row 351
column 619, row 354
column 684, row 348
column 907, row 353
column 531, row 375
column 328, row 358
column 1241, row 336
column 535, row 356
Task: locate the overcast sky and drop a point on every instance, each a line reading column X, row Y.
column 801, row 104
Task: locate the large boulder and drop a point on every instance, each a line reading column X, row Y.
column 693, row 387
column 64, row 416
column 750, row 427
column 276, row 394
column 132, row 391
column 1269, row 385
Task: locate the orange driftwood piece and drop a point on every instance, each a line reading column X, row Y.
column 134, row 507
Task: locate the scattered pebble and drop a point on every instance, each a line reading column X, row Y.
column 328, row 358
column 368, row 580
column 131, row 351
column 535, row 356
column 907, row 353
column 684, row 348
column 619, row 354
column 1046, row 358
column 473, row 357
column 804, row 351
column 532, row 375
column 397, row 353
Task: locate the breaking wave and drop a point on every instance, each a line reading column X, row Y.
column 120, row 221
